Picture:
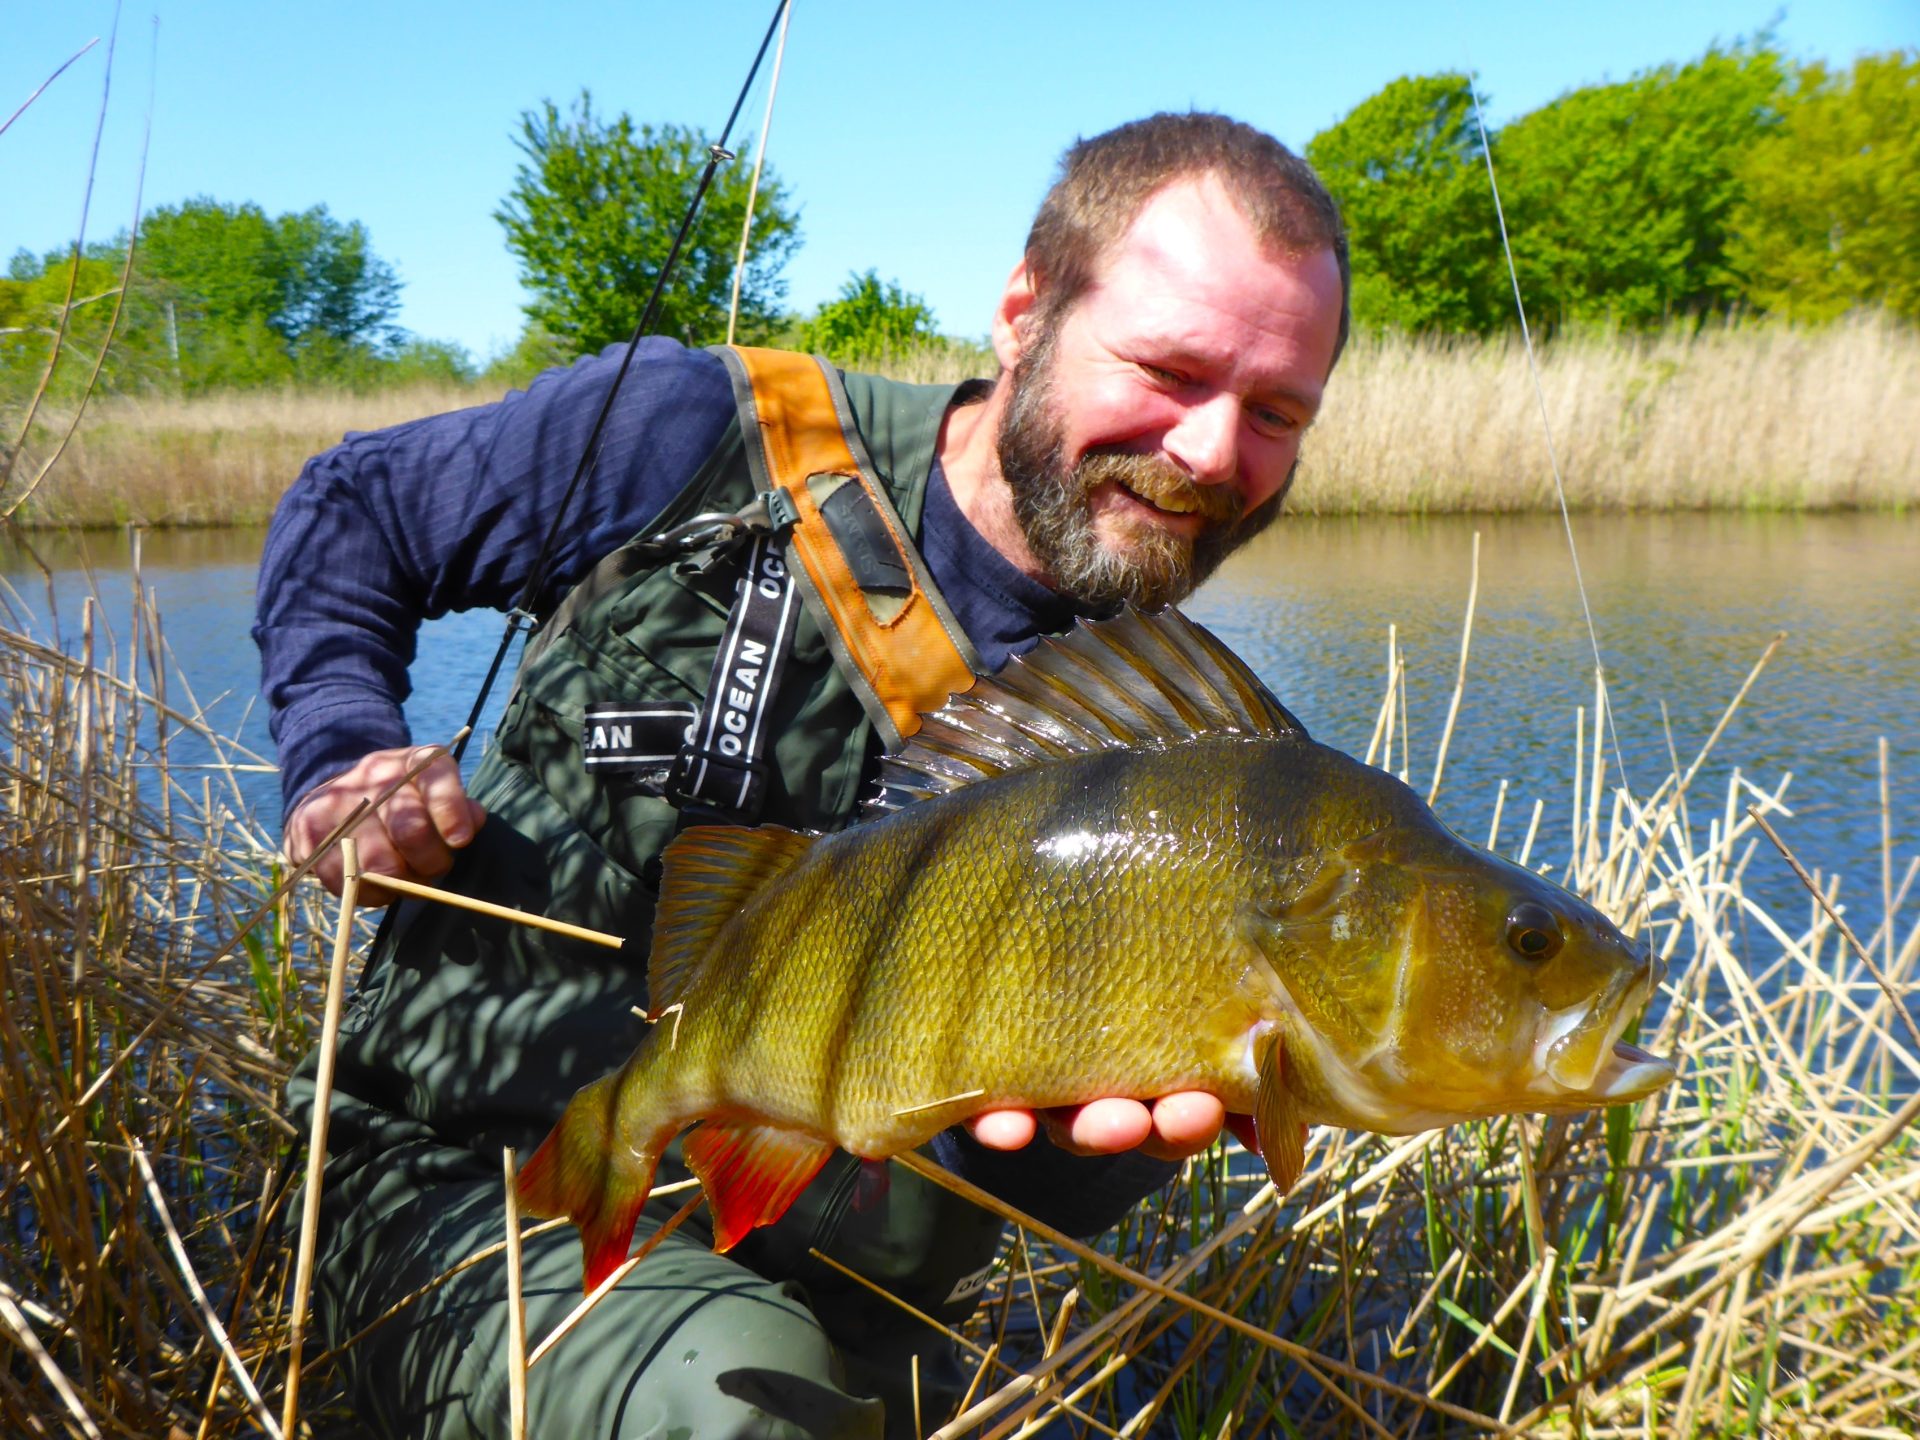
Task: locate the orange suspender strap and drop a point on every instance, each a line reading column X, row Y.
column 897, row 641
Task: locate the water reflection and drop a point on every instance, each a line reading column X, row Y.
column 1684, row 605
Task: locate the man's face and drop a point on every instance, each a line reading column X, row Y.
column 1155, row 426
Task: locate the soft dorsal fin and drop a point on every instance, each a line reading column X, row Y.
column 706, row 874
column 1137, row 680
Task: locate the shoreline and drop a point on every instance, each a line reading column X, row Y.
column 1766, row 418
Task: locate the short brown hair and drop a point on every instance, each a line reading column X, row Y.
column 1104, row 182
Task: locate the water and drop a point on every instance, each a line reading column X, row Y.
column 1684, row 605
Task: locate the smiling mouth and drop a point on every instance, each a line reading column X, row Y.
column 1161, row 486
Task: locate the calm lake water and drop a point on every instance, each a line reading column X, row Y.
column 1684, row 605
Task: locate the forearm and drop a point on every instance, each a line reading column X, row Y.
column 450, row 513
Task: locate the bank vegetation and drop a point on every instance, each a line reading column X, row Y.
column 1764, row 416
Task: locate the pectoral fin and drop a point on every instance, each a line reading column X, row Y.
column 751, row 1173
column 1276, row 1120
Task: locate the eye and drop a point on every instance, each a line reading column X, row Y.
column 1533, row 931
column 1273, row 422
column 1163, row 376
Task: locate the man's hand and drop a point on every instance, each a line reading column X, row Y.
column 413, row 835
column 1171, row 1128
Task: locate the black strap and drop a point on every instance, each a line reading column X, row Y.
column 720, row 774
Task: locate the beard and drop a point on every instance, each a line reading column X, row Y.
column 1150, row 566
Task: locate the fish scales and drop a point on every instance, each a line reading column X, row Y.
column 1167, row 887
column 991, row 944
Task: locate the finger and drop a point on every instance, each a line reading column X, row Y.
column 417, row 842
column 329, row 869
column 1184, row 1123
column 374, row 853
column 446, row 801
column 311, row 822
column 1101, row 1127
column 1002, row 1129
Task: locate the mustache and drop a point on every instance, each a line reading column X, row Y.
column 1156, row 479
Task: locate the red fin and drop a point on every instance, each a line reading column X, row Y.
column 587, row 1171
column 751, row 1173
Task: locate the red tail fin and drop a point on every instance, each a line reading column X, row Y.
column 587, row 1171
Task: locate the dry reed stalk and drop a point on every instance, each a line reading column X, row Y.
column 599, row 1292
column 1459, row 682
column 516, row 1308
column 499, row 912
column 317, row 1138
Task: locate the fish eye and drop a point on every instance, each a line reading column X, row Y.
column 1533, row 931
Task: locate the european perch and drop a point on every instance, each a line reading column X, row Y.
column 1119, row 867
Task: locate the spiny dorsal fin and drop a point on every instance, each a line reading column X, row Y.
column 1137, row 680
column 706, row 874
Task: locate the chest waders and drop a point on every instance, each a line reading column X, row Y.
column 749, row 685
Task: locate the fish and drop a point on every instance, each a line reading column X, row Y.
column 1119, row 867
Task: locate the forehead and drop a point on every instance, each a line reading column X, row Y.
column 1191, row 274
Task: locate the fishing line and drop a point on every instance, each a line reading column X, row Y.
column 759, row 160
column 1546, row 425
column 536, row 578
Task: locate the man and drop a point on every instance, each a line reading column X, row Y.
column 1164, row 344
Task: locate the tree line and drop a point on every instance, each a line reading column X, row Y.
column 1738, row 183
column 1741, row 182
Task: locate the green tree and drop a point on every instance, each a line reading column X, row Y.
column 31, row 300
column 1407, row 168
column 593, row 212
column 869, row 319
column 1830, row 213
column 436, row 362
column 249, row 299
column 1620, row 197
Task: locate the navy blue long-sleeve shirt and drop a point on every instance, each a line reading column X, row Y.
column 449, row 513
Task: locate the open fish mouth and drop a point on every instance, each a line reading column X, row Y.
column 1583, row 1055
column 1628, row 1072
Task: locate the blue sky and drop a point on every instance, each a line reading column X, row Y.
column 917, row 137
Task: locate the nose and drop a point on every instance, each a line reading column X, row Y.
column 1206, row 441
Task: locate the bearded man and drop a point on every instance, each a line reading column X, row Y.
column 1164, row 343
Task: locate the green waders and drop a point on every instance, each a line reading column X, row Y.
column 468, row 1035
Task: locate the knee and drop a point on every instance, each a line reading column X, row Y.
column 752, row 1364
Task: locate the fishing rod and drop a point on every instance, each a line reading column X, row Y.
column 522, row 612
column 700, row 530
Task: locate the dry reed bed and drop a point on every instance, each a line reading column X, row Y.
column 1739, row 1255
column 1764, row 416
column 1754, row 415
column 144, row 1160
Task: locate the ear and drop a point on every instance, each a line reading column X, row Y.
column 1012, row 316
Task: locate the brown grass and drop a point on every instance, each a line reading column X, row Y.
column 1757, row 416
